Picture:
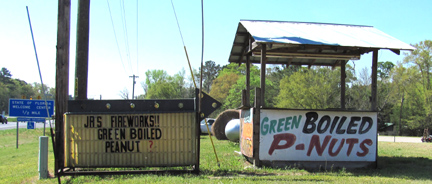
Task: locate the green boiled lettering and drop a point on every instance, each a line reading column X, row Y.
column 280, row 124
column 296, row 122
column 264, row 126
column 273, row 124
column 287, row 123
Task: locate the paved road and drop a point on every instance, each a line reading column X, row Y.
column 13, row 125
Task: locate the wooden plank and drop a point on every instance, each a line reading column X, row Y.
column 62, row 78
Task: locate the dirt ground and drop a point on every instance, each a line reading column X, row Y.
column 399, row 139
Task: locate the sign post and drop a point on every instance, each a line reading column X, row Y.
column 17, row 134
column 30, row 110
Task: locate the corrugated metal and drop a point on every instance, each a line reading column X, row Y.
column 322, row 34
column 176, row 145
column 303, row 43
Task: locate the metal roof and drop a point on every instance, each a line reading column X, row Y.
column 305, row 43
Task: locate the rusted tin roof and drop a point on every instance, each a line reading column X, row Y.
column 305, row 43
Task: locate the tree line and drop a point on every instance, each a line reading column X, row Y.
column 404, row 88
column 18, row 89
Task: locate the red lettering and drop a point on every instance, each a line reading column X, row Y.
column 332, row 144
column 289, row 138
column 364, row 148
column 315, row 142
column 351, row 143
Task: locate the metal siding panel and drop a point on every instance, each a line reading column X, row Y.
column 84, row 149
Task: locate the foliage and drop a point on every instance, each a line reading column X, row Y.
column 160, row 85
column 412, row 90
column 210, row 72
column 16, row 88
column 310, row 89
column 227, row 77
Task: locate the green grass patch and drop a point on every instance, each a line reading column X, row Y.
column 12, row 119
column 397, row 163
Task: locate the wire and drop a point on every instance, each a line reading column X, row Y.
column 184, row 46
column 115, row 35
column 190, row 67
column 201, row 79
column 137, row 55
column 40, row 73
column 178, row 25
column 125, row 31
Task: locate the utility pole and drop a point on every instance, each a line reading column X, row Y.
column 82, row 48
column 133, row 84
column 62, row 79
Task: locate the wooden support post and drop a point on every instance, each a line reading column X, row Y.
column 263, row 72
column 343, row 77
column 374, row 100
column 62, row 78
column 247, row 102
column 256, row 128
column 82, row 47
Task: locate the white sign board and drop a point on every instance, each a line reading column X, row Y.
column 304, row 135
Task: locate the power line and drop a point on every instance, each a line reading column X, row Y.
column 125, row 33
column 184, row 46
column 115, row 35
column 178, row 25
column 137, row 41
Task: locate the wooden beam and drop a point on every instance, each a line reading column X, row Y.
column 242, row 34
column 62, row 79
column 374, row 100
column 245, row 49
column 311, row 62
column 311, row 55
column 338, row 63
column 247, row 81
column 289, row 62
column 256, row 127
column 395, row 51
column 343, row 82
column 263, row 72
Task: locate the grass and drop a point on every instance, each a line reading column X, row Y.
column 12, row 119
column 397, row 163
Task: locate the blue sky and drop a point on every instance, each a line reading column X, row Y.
column 159, row 42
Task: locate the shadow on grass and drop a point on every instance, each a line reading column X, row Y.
column 418, row 168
